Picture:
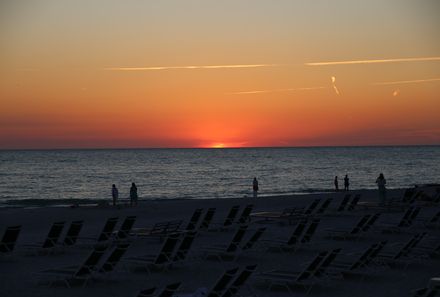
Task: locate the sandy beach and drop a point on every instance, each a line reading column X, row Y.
column 20, row 271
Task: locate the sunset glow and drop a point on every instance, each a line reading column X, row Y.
column 218, row 74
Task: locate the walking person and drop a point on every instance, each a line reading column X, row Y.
column 346, row 183
column 133, row 195
column 336, row 184
column 115, row 194
column 255, row 187
column 381, row 182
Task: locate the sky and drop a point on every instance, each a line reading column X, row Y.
column 209, row 73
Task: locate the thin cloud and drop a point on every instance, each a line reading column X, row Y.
column 401, row 82
column 329, row 63
column 190, row 67
column 274, row 91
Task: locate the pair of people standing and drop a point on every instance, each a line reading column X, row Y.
column 133, row 194
column 346, row 183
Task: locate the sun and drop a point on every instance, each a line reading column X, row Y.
column 218, row 145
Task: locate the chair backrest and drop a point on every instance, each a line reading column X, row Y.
column 297, row 232
column 404, row 220
column 220, row 286
column 107, row 231
column 354, row 202
column 310, row 231
column 254, row 238
column 312, row 267
column 413, row 215
column 185, row 246
column 169, row 290
column 147, row 292
column 53, row 235
column 417, row 239
column 360, row 224
column 114, row 258
column 91, row 262
column 344, row 202
column 9, row 239
column 207, row 219
column 311, row 207
column 231, row 216
column 126, row 226
column 376, row 250
column 324, row 206
column 328, row 260
column 73, row 233
column 363, row 258
column 235, row 242
column 245, row 214
column 435, row 218
column 405, row 249
column 167, row 249
column 192, row 224
column 371, row 222
column 415, row 197
column 239, row 281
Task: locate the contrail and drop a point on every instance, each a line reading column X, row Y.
column 275, row 91
column 373, row 61
column 190, row 67
column 401, row 82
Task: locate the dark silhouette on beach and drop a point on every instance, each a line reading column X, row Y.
column 115, row 194
column 336, row 184
column 346, row 183
column 255, row 187
column 133, row 195
column 381, row 182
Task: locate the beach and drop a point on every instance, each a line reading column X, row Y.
column 20, row 272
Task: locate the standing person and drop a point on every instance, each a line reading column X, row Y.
column 346, row 182
column 255, row 187
column 115, row 194
column 381, row 182
column 133, row 195
column 336, row 184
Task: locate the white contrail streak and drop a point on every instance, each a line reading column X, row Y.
column 190, row 67
column 401, row 82
column 329, row 63
column 275, row 91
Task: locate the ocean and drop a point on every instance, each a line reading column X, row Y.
column 64, row 177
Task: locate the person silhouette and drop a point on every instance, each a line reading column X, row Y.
column 381, row 182
column 336, row 184
column 255, row 187
column 115, row 194
column 346, row 183
column 133, row 195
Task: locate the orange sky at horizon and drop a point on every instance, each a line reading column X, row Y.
column 62, row 84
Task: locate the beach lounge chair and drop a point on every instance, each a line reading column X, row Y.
column 192, row 224
column 221, row 251
column 328, row 260
column 125, row 230
column 351, row 233
column 73, row 233
column 308, row 234
column 344, row 202
column 268, row 216
column 405, row 221
column 308, row 211
column 160, row 259
column 351, row 206
column 324, row 206
column 239, row 281
column 147, row 292
column 107, row 231
column 288, row 279
column 9, row 240
column 207, row 219
column 71, row 274
column 169, row 290
column 229, row 220
column 291, row 243
column 114, row 258
column 184, row 247
column 221, row 284
column 253, row 240
column 371, row 221
column 51, row 240
column 433, row 222
column 426, row 292
column 159, row 230
column 245, row 215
